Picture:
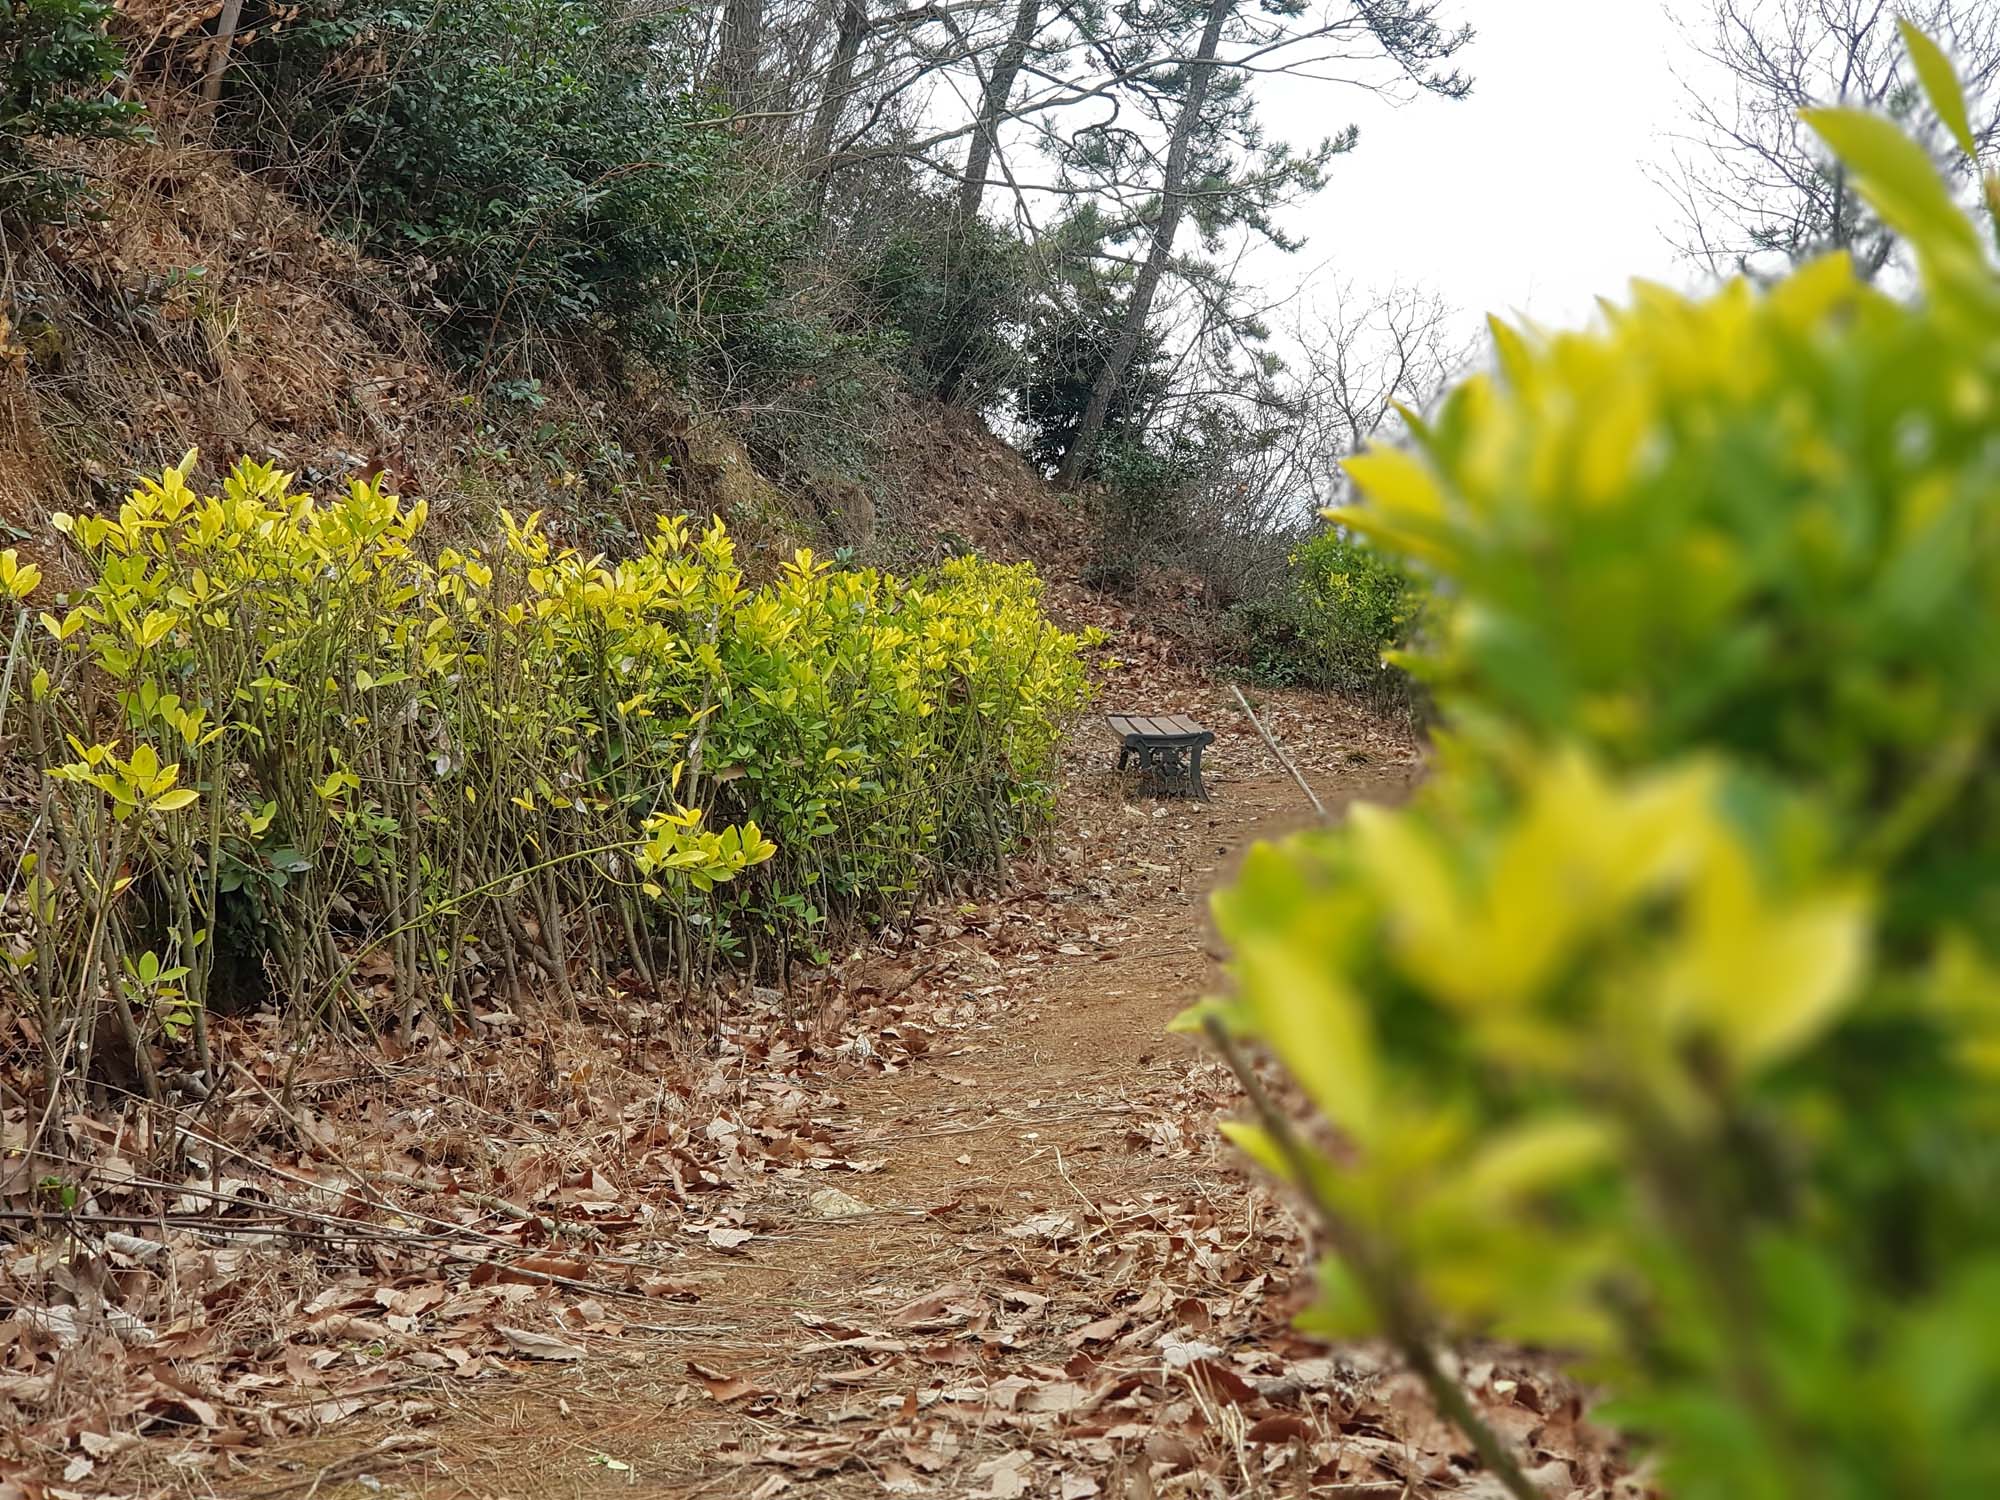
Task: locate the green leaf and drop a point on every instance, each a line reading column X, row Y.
column 1255, row 1142
column 1941, row 86
column 1317, row 1026
column 1896, row 177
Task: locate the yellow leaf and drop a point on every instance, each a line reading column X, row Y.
column 1764, row 979
column 1535, row 1156
column 1398, row 482
column 1941, row 86
column 1255, row 1142
column 1516, row 361
column 1317, row 1027
column 1426, row 912
column 1898, row 179
column 17, row 579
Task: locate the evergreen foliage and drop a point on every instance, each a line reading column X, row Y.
column 57, row 66
column 285, row 720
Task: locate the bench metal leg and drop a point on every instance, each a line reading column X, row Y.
column 1169, row 769
column 1172, row 773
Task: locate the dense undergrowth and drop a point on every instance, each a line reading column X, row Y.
column 1332, row 620
column 561, row 195
column 1663, row 1028
column 293, row 755
column 55, row 67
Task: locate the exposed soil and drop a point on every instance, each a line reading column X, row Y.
column 1051, row 1107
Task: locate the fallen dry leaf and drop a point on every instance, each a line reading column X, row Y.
column 539, row 1345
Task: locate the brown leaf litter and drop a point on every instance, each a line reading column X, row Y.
column 958, row 1226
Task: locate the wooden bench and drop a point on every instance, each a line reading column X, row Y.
column 1167, row 748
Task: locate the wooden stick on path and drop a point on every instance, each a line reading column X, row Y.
column 1283, row 759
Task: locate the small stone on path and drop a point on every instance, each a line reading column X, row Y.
column 832, row 1203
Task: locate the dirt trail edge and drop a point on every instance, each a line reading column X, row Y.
column 1040, row 1204
column 1030, row 1270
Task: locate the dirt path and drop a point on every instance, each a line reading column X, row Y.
column 959, row 1225
column 1050, row 1213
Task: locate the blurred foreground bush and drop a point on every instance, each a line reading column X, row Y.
column 1665, row 1027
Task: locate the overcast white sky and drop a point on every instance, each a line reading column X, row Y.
column 1530, row 196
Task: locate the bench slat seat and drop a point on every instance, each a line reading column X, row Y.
column 1166, row 746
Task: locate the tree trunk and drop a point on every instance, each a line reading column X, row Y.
column 1139, row 307
column 839, row 85
column 993, row 108
column 218, row 60
column 735, row 73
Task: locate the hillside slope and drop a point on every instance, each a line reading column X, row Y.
column 204, row 309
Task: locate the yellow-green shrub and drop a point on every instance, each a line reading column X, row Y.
column 1665, row 1027
column 278, row 728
